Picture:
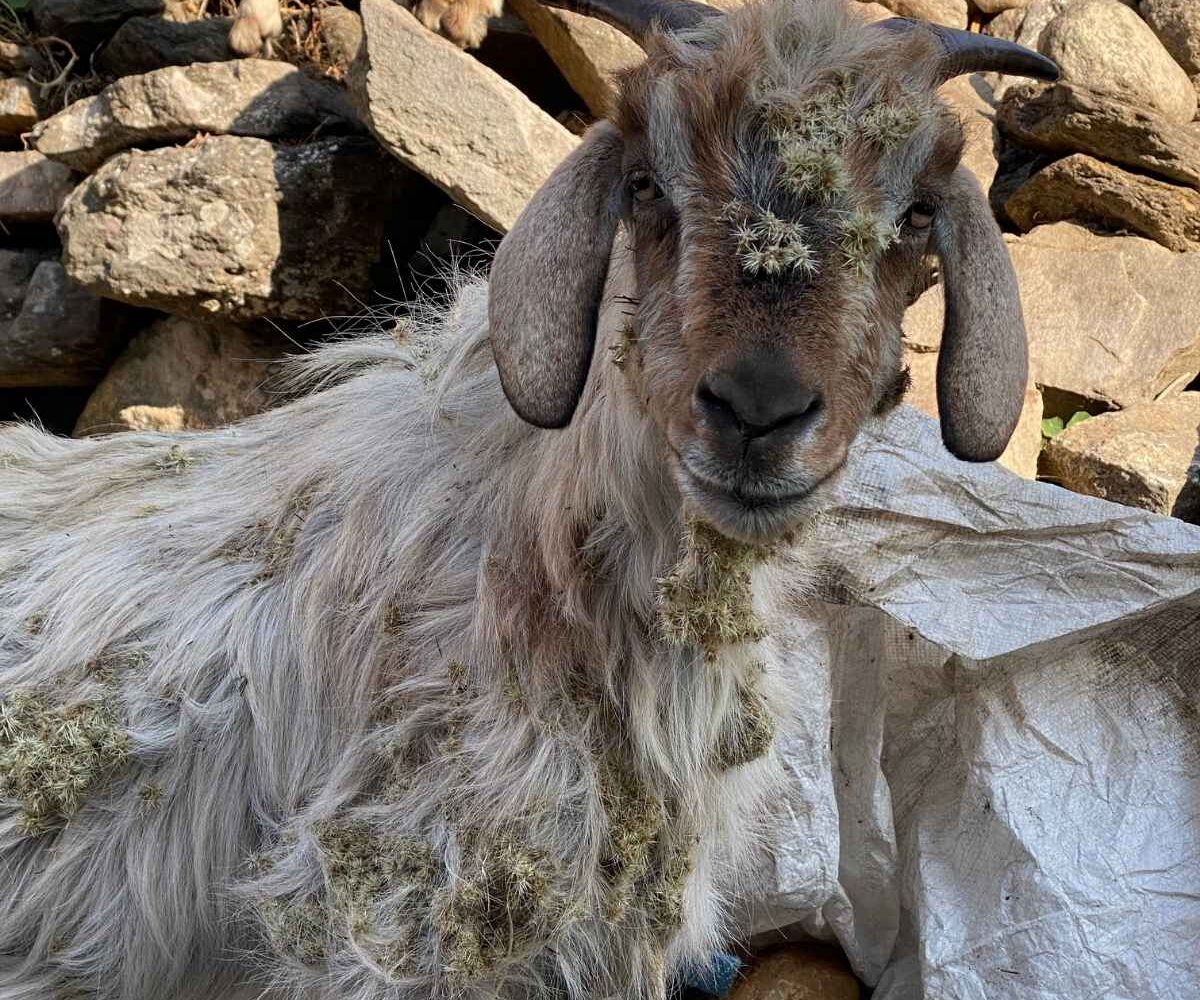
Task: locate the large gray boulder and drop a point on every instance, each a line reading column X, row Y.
column 144, row 44
column 1139, row 457
column 181, row 374
column 86, row 23
column 1177, row 24
column 32, row 188
column 1085, row 189
column 251, row 97
column 1066, row 118
column 51, row 333
column 233, row 227
column 1105, row 46
column 449, row 117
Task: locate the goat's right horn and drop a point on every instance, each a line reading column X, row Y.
column 969, row 52
column 637, row 18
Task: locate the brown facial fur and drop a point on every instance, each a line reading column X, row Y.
column 700, row 118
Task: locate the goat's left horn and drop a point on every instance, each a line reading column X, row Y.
column 637, row 18
column 968, row 52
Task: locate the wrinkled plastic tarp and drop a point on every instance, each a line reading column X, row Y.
column 995, row 777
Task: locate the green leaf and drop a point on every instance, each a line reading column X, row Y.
column 1052, row 426
column 1077, row 418
column 16, row 6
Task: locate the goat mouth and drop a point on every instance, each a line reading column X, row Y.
column 755, row 515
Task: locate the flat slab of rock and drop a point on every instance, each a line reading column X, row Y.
column 88, row 22
column 144, row 44
column 32, row 188
column 1177, row 24
column 1085, row 189
column 232, row 227
column 251, row 97
column 588, row 52
column 18, row 107
column 924, row 322
column 181, row 374
column 1111, row 319
column 1139, row 457
column 1066, row 118
column 451, row 118
column 50, row 328
column 1104, row 45
column 952, row 13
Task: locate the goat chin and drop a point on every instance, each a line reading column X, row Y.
column 414, row 700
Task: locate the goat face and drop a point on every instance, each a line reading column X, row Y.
column 780, row 172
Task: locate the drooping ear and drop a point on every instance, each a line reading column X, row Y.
column 547, row 279
column 983, row 364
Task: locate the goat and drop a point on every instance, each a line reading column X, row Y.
column 395, row 692
column 255, row 27
column 464, row 22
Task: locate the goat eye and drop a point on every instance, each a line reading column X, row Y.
column 643, row 187
column 919, row 215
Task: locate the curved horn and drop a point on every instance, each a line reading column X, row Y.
column 968, row 52
column 636, row 18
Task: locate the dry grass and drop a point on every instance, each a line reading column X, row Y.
column 52, row 755
column 61, row 74
column 706, row 599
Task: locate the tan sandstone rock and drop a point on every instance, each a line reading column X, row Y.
column 181, row 374
column 999, row 6
column 798, row 972
column 1139, row 457
column 1177, row 24
column 971, row 98
column 1082, row 188
column 922, row 335
column 233, row 227
column 1104, row 45
column 18, row 106
column 952, row 13
column 32, row 188
column 873, row 11
column 1026, row 25
column 1066, row 118
column 253, row 97
column 1111, row 319
column 449, row 117
column 587, row 51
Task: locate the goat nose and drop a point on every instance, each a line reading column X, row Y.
column 756, row 406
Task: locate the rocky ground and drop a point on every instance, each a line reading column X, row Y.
column 175, row 219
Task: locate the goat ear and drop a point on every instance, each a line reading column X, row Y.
column 547, row 280
column 984, row 360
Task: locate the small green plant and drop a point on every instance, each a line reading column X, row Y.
column 1053, row 426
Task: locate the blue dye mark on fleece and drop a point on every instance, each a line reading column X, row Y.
column 716, row 978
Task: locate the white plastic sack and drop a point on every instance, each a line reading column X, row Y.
column 996, row 783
